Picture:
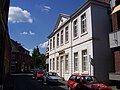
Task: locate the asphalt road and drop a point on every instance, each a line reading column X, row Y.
column 26, row 82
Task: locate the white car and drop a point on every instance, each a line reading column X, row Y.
column 51, row 78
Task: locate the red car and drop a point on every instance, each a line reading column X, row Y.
column 38, row 74
column 85, row 82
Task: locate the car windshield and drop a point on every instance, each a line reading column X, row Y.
column 52, row 74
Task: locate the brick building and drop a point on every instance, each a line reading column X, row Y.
column 5, row 48
column 114, row 38
column 20, row 60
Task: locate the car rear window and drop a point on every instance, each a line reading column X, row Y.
column 40, row 72
column 52, row 74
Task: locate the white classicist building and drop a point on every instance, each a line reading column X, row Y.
column 79, row 43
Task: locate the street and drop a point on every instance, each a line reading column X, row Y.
column 27, row 82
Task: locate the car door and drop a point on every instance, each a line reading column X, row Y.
column 71, row 81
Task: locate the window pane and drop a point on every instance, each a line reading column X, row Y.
column 83, row 23
column 53, row 42
column 57, row 63
column 75, row 31
column 50, row 43
column 66, row 62
column 62, row 37
column 84, row 60
column 66, row 33
column 53, row 64
column 76, row 61
column 58, row 39
column 50, row 64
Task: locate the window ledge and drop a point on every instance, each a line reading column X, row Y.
column 84, row 34
column 66, row 42
column 66, row 72
column 75, row 38
column 62, row 44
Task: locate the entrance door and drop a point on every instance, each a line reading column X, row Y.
column 61, row 67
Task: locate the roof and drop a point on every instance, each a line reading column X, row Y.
column 88, row 2
column 61, row 15
column 17, row 47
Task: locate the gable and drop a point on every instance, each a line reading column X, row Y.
column 61, row 20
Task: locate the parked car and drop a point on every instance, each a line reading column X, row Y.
column 51, row 78
column 85, row 82
column 38, row 73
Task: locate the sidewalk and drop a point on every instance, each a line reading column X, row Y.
column 64, row 82
column 113, row 87
column 9, row 83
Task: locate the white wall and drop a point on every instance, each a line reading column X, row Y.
column 95, row 40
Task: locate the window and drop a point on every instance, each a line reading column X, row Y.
column 50, row 44
column 84, row 60
column 50, row 64
column 78, row 79
column 53, row 42
column 57, row 63
column 83, row 24
column 58, row 39
column 75, row 29
column 13, row 56
column 62, row 37
column 66, row 63
column 66, row 34
column 76, row 61
column 72, row 78
column 53, row 64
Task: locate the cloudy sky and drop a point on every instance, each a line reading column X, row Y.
column 31, row 21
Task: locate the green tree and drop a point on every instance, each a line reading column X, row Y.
column 38, row 59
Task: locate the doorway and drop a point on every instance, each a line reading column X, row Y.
column 61, row 66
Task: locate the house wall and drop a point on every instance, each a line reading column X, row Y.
column 82, row 42
column 117, row 61
column 102, row 54
column 7, row 55
column 95, row 41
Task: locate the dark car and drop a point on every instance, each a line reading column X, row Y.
column 85, row 82
column 38, row 74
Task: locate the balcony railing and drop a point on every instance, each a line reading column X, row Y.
column 114, row 39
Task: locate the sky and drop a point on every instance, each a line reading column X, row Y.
column 30, row 22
